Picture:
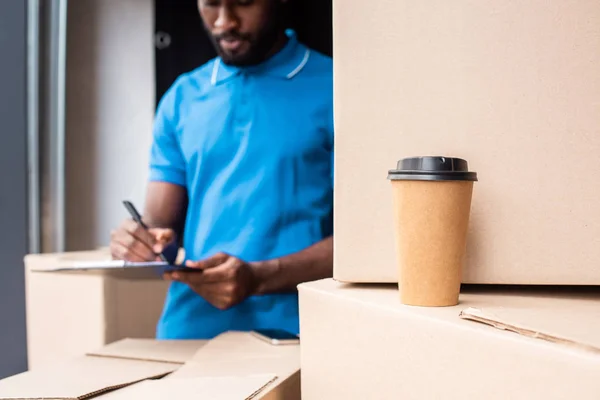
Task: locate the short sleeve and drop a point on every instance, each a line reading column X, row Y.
column 166, row 159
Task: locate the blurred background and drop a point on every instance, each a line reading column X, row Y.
column 79, row 82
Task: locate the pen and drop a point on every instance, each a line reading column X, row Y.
column 135, row 215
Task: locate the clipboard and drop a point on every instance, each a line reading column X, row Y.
column 116, row 268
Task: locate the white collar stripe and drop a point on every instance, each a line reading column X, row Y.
column 302, row 64
column 215, row 72
column 296, row 71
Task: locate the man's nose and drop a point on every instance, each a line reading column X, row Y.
column 227, row 20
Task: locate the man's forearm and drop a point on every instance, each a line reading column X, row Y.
column 285, row 273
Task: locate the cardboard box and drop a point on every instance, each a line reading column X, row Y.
column 359, row 342
column 103, row 370
column 239, row 354
column 233, row 366
column 70, row 314
column 513, row 87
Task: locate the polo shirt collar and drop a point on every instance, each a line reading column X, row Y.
column 286, row 64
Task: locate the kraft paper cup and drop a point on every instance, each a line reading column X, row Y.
column 432, row 204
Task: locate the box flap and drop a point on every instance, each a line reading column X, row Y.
column 240, row 354
column 80, row 378
column 170, row 351
column 215, row 388
column 570, row 313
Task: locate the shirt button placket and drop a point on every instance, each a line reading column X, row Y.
column 244, row 106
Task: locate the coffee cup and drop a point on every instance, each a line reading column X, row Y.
column 432, row 204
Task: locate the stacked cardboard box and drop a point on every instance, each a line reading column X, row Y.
column 514, row 88
column 511, row 86
column 359, row 342
column 233, row 366
column 70, row 313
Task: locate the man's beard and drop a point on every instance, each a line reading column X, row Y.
column 259, row 45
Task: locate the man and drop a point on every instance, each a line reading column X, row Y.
column 242, row 157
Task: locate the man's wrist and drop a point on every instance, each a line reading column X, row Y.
column 265, row 275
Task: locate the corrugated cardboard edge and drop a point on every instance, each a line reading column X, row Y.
column 478, row 315
column 280, row 386
column 91, row 394
column 259, row 390
column 210, row 387
column 148, row 359
column 115, row 387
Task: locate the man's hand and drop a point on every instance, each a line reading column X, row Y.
column 134, row 243
column 223, row 281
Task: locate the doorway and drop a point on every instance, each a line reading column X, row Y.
column 182, row 44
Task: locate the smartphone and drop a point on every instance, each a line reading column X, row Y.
column 183, row 268
column 276, row 336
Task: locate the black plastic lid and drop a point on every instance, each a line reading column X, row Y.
column 432, row 169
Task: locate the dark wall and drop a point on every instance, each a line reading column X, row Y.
column 189, row 47
column 13, row 185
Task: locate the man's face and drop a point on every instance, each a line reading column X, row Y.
column 243, row 31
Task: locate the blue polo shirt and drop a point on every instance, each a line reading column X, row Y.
column 254, row 149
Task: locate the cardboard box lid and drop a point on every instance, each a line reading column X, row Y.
column 81, row 378
column 168, row 351
column 567, row 316
column 209, row 388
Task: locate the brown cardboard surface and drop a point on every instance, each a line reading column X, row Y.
column 511, row 86
column 238, row 354
column 431, row 222
column 72, row 314
column 426, row 353
column 209, row 388
column 170, row 351
column 80, row 378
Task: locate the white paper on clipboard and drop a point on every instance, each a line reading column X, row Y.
column 108, row 267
